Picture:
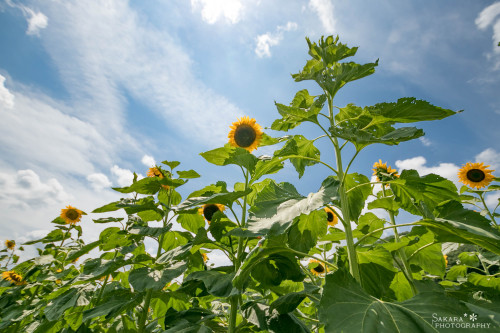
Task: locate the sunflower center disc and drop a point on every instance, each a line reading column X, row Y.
column 244, row 135
column 72, row 214
column 475, row 175
column 319, row 269
column 209, row 211
column 329, row 217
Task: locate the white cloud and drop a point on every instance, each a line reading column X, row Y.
column 98, row 181
column 25, row 189
column 6, row 98
column 36, row 20
column 325, row 10
column 446, row 170
column 490, row 17
column 215, row 10
column 267, row 40
column 489, row 157
column 148, row 161
column 426, row 142
column 124, row 176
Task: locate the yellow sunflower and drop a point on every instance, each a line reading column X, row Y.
column 156, row 172
column 383, row 172
column 10, row 244
column 445, row 260
column 71, row 215
column 205, row 257
column 13, row 277
column 208, row 211
column 475, row 175
column 331, row 217
column 318, row 268
column 245, row 133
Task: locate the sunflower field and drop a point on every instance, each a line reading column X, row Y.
column 317, row 262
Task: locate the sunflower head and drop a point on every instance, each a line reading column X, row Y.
column 58, row 281
column 13, row 277
column 475, row 175
column 331, row 217
column 10, row 244
column 71, row 215
column 383, row 172
column 208, row 211
column 317, row 268
column 205, row 257
column 245, row 133
column 445, row 260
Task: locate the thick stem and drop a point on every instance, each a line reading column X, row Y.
column 493, row 221
column 144, row 314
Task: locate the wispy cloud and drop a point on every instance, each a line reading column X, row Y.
column 98, row 181
column 6, row 98
column 490, row 16
column 325, row 11
column 36, row 20
column 215, row 10
column 267, row 40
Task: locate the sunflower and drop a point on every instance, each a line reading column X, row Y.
column 208, row 211
column 71, row 215
column 156, row 172
column 445, row 260
column 331, row 217
column 58, row 281
column 318, row 268
column 13, row 277
column 475, row 175
column 383, row 172
column 10, row 244
column 205, row 257
column 245, row 133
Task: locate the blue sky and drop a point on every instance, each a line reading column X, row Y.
column 91, row 91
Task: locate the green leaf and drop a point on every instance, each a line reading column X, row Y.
column 299, row 145
column 113, row 237
column 484, row 281
column 342, row 295
column 266, row 166
column 285, row 323
column 367, row 223
column 77, row 295
column 277, row 205
column 303, row 108
column 226, row 199
column 53, row 236
column 191, row 222
column 469, row 259
column 410, row 190
column 288, row 302
column 428, row 257
column 453, row 223
column 376, row 280
column 74, row 254
column 173, row 239
column 115, row 303
column 145, row 278
column 304, row 233
column 108, row 219
column 456, row 271
column 217, row 283
column 149, row 231
column 377, row 255
column 148, row 185
column 111, row 207
column 384, row 203
column 231, row 155
column 401, row 287
column 358, row 196
column 172, row 164
column 269, row 266
column 188, row 174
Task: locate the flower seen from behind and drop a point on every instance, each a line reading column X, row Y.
column 245, row 133
column 71, row 215
column 157, row 172
column 317, row 268
column 10, row 244
column 208, row 211
column 13, row 277
column 383, row 172
column 331, row 217
column 475, row 175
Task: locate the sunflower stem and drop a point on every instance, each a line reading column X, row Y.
column 237, row 262
column 401, row 252
column 493, row 221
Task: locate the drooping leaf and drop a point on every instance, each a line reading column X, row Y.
column 298, row 145
column 305, row 232
column 217, row 283
column 277, row 205
column 231, row 155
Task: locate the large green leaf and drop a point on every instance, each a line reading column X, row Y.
column 74, row 254
column 426, row 256
column 217, row 283
column 191, row 222
column 144, row 278
column 299, row 145
column 304, row 107
column 266, row 166
column 113, row 237
column 231, row 155
column 77, row 295
column 269, row 266
column 226, row 199
column 345, row 307
column 410, row 190
column 357, row 196
column 306, row 230
column 453, row 223
column 277, row 205
column 115, row 302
